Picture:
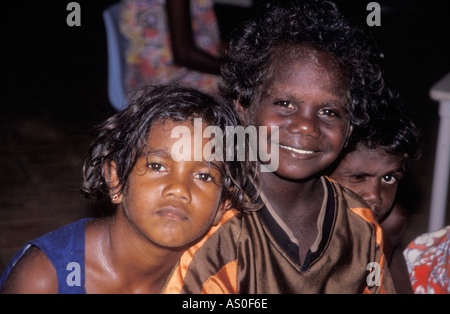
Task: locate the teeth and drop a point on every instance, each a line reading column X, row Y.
column 299, row 151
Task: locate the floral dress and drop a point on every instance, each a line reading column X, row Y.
column 149, row 58
column 428, row 261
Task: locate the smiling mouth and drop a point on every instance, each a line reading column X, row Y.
column 298, row 151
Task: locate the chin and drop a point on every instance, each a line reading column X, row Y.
column 293, row 173
column 173, row 244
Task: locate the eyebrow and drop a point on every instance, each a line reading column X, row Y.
column 398, row 170
column 332, row 99
column 166, row 154
column 219, row 165
column 366, row 174
column 357, row 174
column 158, row 152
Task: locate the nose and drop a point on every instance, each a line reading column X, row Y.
column 304, row 122
column 372, row 195
column 177, row 187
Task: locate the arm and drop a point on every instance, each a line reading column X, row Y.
column 399, row 272
column 184, row 50
column 393, row 227
column 33, row 273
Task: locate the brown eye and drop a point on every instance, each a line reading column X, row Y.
column 203, row 176
column 285, row 104
column 156, row 166
column 328, row 113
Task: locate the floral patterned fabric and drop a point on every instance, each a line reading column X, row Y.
column 149, row 58
column 428, row 261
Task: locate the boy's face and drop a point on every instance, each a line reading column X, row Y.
column 306, row 96
column 172, row 203
column 374, row 175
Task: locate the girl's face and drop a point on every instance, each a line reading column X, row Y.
column 170, row 203
column 374, row 175
column 306, row 96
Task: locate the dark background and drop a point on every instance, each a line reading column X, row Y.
column 54, row 90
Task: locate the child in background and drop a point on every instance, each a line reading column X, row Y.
column 304, row 69
column 163, row 205
column 372, row 165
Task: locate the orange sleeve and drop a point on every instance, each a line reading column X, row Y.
column 224, row 282
column 176, row 281
column 367, row 215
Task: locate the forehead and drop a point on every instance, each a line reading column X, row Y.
column 364, row 158
column 169, row 136
column 165, row 127
column 308, row 64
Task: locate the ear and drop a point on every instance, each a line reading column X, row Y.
column 223, row 208
column 240, row 110
column 112, row 179
column 349, row 133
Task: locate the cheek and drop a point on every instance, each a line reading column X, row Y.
column 215, row 200
column 204, row 217
column 337, row 136
column 359, row 189
column 389, row 196
column 207, row 201
column 260, row 115
column 273, row 126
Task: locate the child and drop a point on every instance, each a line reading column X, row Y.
column 304, row 69
column 163, row 205
column 373, row 167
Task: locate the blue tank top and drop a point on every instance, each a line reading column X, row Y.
column 65, row 248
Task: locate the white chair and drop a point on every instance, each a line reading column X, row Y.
column 116, row 46
column 441, row 92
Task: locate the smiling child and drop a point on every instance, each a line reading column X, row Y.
column 163, row 205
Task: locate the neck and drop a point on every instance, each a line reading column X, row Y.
column 285, row 194
column 133, row 264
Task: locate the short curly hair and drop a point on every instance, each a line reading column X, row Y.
column 316, row 23
column 390, row 128
column 122, row 138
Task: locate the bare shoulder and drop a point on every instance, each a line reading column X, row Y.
column 33, row 273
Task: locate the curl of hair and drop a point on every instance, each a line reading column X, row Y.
column 389, row 128
column 122, row 138
column 316, row 23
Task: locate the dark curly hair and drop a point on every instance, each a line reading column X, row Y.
column 316, row 23
column 389, row 128
column 122, row 138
